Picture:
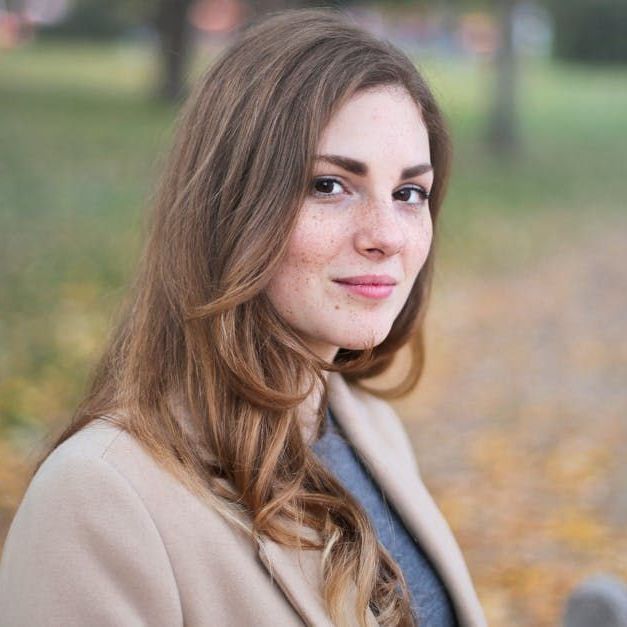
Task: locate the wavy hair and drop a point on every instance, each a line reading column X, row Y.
column 201, row 369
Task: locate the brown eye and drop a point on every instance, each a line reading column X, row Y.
column 413, row 195
column 326, row 187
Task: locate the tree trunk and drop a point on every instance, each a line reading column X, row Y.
column 174, row 40
column 503, row 134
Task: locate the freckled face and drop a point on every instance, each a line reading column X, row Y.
column 364, row 231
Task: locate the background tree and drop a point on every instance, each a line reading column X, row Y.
column 173, row 30
column 503, row 136
column 93, row 19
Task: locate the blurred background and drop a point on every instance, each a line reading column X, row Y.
column 519, row 423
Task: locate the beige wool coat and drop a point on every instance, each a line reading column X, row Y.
column 105, row 537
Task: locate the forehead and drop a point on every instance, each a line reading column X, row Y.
column 382, row 122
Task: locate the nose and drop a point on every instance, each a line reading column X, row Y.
column 379, row 232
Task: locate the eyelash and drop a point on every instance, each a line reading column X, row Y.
column 421, row 191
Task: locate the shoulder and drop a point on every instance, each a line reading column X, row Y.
column 76, row 467
column 100, row 454
column 104, row 459
column 105, row 477
column 82, row 526
column 83, row 484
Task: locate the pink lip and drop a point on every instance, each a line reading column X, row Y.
column 369, row 285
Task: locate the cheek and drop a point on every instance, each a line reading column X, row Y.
column 312, row 245
column 303, row 253
column 303, row 270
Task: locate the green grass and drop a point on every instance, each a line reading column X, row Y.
column 80, row 141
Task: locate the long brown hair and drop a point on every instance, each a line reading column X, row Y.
column 199, row 338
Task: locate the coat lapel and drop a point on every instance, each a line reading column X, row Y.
column 366, row 422
column 299, row 575
column 367, row 425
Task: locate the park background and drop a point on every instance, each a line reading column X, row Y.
column 519, row 423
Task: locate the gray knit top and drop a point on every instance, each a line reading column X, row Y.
column 430, row 600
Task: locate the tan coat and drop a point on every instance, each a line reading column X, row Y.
column 105, row 537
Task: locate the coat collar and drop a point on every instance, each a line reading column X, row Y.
column 367, row 423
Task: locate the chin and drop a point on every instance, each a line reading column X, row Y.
column 365, row 340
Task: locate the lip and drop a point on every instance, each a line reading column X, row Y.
column 368, row 279
column 375, row 286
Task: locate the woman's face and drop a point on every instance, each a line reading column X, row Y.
column 364, row 231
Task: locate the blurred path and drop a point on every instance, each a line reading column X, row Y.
column 520, row 424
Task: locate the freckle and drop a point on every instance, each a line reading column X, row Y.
column 337, row 307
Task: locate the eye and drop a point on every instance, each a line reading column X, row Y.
column 412, row 194
column 326, row 186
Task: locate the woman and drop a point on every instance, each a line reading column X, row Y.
column 229, row 465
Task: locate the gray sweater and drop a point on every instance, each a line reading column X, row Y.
column 430, row 600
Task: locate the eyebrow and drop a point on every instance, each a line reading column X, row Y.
column 361, row 169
